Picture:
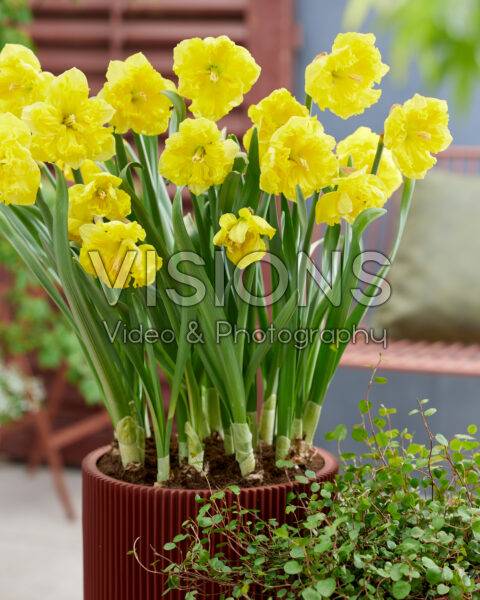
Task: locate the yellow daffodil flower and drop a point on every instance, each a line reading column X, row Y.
column 343, row 80
column 19, row 173
column 271, row 113
column 69, row 126
column 355, row 193
column 22, row 81
column 98, row 198
column 242, row 237
column 134, row 89
column 300, row 153
column 214, row 73
column 110, row 251
column 414, row 130
column 362, row 146
column 197, row 155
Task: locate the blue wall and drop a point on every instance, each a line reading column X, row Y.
column 456, row 398
column 321, row 21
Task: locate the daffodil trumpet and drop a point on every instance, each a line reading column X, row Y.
column 236, row 305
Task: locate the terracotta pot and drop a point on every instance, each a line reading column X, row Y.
column 116, row 513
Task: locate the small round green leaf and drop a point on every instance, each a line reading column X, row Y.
column 401, row 589
column 326, row 587
column 292, row 567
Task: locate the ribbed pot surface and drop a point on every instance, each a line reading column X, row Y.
column 116, row 513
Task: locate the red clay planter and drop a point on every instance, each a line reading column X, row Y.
column 115, row 514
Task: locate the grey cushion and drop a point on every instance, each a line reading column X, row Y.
column 436, row 276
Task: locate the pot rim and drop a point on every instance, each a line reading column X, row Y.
column 89, row 466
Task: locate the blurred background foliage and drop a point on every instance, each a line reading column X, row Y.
column 14, row 16
column 38, row 327
column 442, row 36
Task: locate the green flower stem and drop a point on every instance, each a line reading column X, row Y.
column 195, row 448
column 311, row 418
column 309, row 103
column 282, row 447
column 227, row 429
column 157, row 209
column 286, row 397
column 141, row 443
column 243, row 310
column 267, row 419
column 163, row 469
column 228, row 441
column 181, row 419
column 242, row 441
column 121, row 157
column 214, row 415
column 302, row 270
column 297, row 428
column 126, row 433
column 378, row 156
column 253, row 424
column 77, row 176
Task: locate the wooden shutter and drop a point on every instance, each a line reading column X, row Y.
column 89, row 33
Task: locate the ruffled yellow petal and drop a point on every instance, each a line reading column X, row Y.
column 68, row 126
column 21, row 80
column 242, row 237
column 197, row 156
column 134, row 88
column 415, row 130
column 343, row 80
column 354, row 194
column 300, row 153
column 115, row 243
column 270, row 114
column 214, row 73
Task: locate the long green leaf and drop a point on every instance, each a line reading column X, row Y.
column 100, row 351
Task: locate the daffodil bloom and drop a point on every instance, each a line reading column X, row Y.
column 19, row 173
column 242, row 237
column 99, row 198
column 414, row 130
column 343, row 80
column 110, row 251
column 300, row 153
column 22, row 81
column 355, row 193
column 69, row 126
column 362, row 146
column 134, row 89
column 197, row 155
column 271, row 113
column 214, row 73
